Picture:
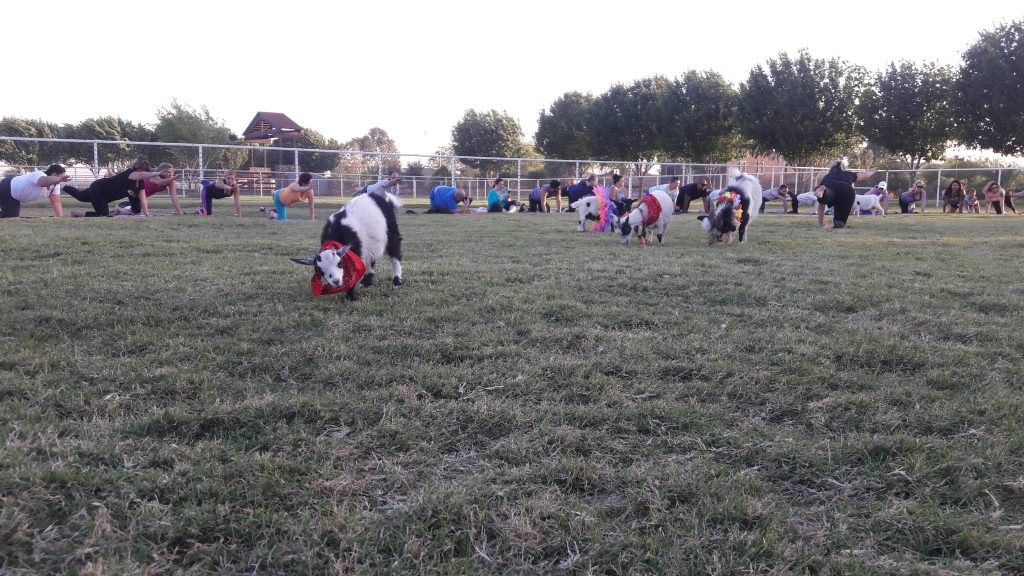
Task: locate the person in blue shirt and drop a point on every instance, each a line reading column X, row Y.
column 580, row 189
column 446, row 200
column 497, row 198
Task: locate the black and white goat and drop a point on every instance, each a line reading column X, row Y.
column 652, row 212
column 741, row 196
column 367, row 226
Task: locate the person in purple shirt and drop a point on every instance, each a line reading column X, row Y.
column 882, row 191
column 913, row 196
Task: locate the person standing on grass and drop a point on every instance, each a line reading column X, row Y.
column 227, row 185
column 152, row 185
column 446, row 200
column 539, row 197
column 18, row 190
column 836, row 191
column 914, row 195
column 125, row 184
column 299, row 191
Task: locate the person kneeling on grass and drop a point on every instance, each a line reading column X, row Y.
column 210, row 190
column 18, row 190
column 298, row 191
column 125, row 184
column 152, row 185
column 446, row 200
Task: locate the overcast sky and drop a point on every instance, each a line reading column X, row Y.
column 414, row 68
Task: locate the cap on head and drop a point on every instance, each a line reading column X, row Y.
column 882, row 185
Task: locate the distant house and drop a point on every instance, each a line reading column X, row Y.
column 268, row 126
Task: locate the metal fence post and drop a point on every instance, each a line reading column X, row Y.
column 200, row 165
column 938, row 188
column 519, row 180
column 451, row 164
column 96, row 157
column 296, row 165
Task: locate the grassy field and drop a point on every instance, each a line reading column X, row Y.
column 172, row 399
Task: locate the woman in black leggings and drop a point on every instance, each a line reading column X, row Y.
column 836, row 191
column 126, row 184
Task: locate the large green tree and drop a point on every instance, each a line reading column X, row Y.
column 908, row 111
column 632, row 121
column 111, row 156
column 316, row 161
column 991, row 108
column 702, row 118
column 30, row 154
column 563, row 131
column 386, row 156
column 802, row 109
column 493, row 134
column 182, row 123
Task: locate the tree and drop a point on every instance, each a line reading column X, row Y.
column 316, row 161
column 414, row 168
column 908, row 111
column 632, row 121
column 182, row 123
column 113, row 156
column 31, row 154
column 702, row 118
column 386, row 155
column 492, row 134
column 991, row 110
column 564, row 130
column 803, row 109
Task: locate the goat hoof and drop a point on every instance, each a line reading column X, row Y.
column 367, row 281
column 396, row 283
column 351, row 295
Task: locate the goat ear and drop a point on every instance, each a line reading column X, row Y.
column 341, row 251
column 304, row 261
column 701, row 217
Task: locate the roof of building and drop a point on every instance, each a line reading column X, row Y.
column 269, row 125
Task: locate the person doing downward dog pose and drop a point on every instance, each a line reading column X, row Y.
column 298, row 191
column 210, row 190
column 836, row 191
column 446, row 200
column 18, row 190
column 125, row 184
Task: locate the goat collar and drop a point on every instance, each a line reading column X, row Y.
column 737, row 204
column 653, row 210
column 351, row 265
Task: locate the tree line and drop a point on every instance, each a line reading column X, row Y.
column 802, row 109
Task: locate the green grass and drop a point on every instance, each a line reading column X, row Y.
column 172, row 399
